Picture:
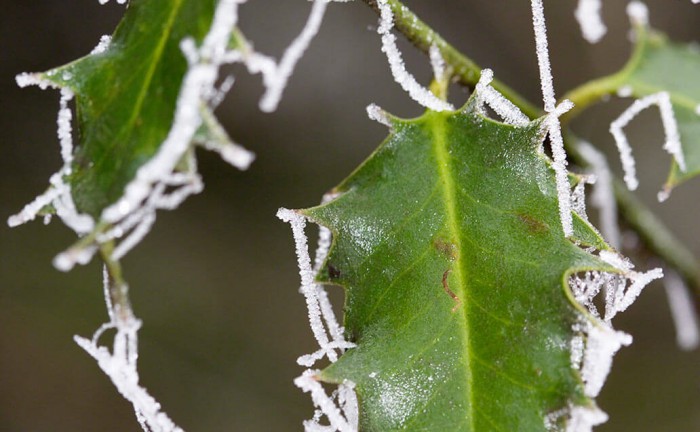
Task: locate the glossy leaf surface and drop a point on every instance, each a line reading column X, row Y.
column 450, row 247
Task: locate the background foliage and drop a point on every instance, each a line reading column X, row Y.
column 216, row 281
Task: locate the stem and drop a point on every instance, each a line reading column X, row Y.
column 653, row 232
column 462, row 69
column 118, row 288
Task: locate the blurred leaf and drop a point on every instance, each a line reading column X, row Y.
column 126, row 96
column 662, row 65
column 450, row 247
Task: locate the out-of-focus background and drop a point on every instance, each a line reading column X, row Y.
column 216, row 282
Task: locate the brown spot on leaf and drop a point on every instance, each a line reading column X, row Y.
column 446, row 248
column 533, row 225
column 446, row 287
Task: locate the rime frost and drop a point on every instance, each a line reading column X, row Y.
column 668, row 119
column 596, row 341
column 588, row 14
column 120, row 363
column 485, row 93
column 342, row 415
column 398, row 69
column 552, row 123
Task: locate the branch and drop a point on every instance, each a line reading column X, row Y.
column 653, row 232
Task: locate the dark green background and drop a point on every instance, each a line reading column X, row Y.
column 216, row 281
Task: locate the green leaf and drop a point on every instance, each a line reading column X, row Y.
column 450, row 247
column 662, row 65
column 126, row 96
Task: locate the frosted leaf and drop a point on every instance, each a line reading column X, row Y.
column 683, row 312
column 398, row 69
column 603, row 197
column 588, row 14
column 672, row 141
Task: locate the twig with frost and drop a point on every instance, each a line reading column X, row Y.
column 552, row 123
column 120, row 364
column 342, row 417
column 672, row 141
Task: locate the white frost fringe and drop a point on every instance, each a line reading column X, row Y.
column 120, row 364
column 552, row 124
column 592, row 350
column 398, row 69
column 343, row 416
column 486, row 94
column 588, row 14
column 672, row 144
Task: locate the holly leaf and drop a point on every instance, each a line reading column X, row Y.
column 449, row 245
column 661, row 65
column 126, row 95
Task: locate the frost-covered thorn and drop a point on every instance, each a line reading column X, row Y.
column 26, row 79
column 638, row 13
column 102, row 45
column 683, row 311
column 374, row 112
column 65, row 261
column 398, row 69
column 588, row 13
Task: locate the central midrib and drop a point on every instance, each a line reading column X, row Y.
column 445, row 175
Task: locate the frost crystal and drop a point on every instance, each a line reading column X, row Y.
column 343, row 416
column 683, row 311
column 510, row 113
column 588, row 14
column 596, row 341
column 668, row 119
column 398, row 69
column 554, row 112
column 377, row 114
column 120, row 364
